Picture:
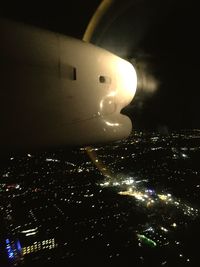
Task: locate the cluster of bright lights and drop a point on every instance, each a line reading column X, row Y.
column 115, row 182
column 9, row 249
column 151, row 234
column 52, row 160
column 128, row 186
column 39, row 245
column 13, row 249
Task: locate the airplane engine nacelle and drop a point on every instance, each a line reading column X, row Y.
column 56, row 90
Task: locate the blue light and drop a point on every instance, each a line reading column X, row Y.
column 150, row 191
column 10, row 255
column 9, row 249
column 19, row 246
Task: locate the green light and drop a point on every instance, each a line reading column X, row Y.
column 145, row 240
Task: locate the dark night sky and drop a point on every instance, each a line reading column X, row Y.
column 165, row 33
column 70, row 18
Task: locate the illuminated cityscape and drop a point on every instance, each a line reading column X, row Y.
column 133, row 201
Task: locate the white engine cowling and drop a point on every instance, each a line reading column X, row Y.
column 56, row 90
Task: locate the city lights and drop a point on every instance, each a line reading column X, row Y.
column 132, row 198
